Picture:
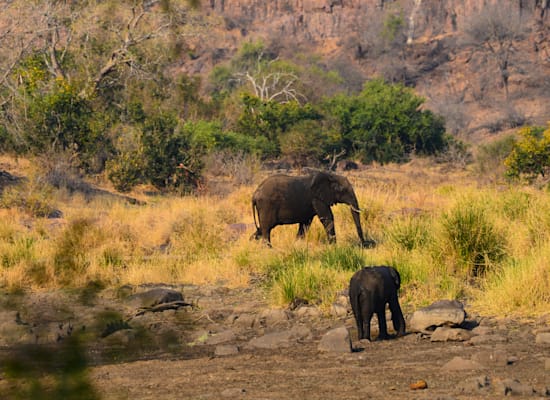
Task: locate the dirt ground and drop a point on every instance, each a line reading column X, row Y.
column 299, row 370
column 383, row 370
column 508, row 361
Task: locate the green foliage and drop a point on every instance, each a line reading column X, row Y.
column 303, row 142
column 473, row 238
column 530, row 156
column 169, row 157
column 125, row 171
column 37, row 372
column 393, row 24
column 384, row 123
column 270, row 119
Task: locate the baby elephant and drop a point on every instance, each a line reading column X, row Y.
column 369, row 291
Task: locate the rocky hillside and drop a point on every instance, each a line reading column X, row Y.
column 432, row 50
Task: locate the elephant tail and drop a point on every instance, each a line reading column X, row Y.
column 254, row 212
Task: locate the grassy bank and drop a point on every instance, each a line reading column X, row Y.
column 448, row 237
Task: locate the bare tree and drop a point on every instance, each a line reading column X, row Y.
column 270, row 83
column 494, row 32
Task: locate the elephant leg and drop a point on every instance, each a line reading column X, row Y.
column 266, row 234
column 303, row 228
column 382, row 327
column 366, row 329
column 367, row 311
column 327, row 219
column 397, row 317
column 356, row 308
column 256, row 235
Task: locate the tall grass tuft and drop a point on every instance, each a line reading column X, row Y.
column 519, row 287
column 342, row 258
column 472, row 237
column 409, row 232
column 69, row 257
column 311, row 274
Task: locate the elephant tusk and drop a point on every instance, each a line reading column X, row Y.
column 357, row 210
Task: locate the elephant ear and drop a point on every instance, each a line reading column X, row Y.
column 396, row 278
column 322, row 188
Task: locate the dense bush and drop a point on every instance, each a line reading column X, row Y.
column 530, row 156
column 384, row 123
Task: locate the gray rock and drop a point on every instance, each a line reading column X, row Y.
column 307, row 312
column 226, row 350
column 273, row 318
column 444, row 312
column 482, row 330
column 487, row 339
column 492, row 358
column 446, row 334
column 339, row 310
column 543, row 338
column 513, row 387
column 336, row 340
column 272, row 340
column 461, row 364
column 477, row 385
column 221, row 337
column 153, row 297
column 286, row 338
column 242, row 321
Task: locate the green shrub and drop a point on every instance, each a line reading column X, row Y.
column 385, row 123
column 530, row 156
column 472, row 237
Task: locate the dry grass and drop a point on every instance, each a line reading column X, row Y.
column 205, row 240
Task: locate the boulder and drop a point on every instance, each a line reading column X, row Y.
column 336, row 340
column 441, row 313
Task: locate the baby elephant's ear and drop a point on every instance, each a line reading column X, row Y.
column 396, row 278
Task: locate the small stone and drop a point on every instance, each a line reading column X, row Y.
column 418, row 385
column 446, row 334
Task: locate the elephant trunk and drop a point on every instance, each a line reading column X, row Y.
column 357, row 218
column 355, row 212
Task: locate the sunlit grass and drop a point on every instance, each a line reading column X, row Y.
column 447, row 237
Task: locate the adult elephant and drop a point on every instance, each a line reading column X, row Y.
column 282, row 199
column 370, row 289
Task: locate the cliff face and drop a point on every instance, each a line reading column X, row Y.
column 318, row 20
column 347, row 31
